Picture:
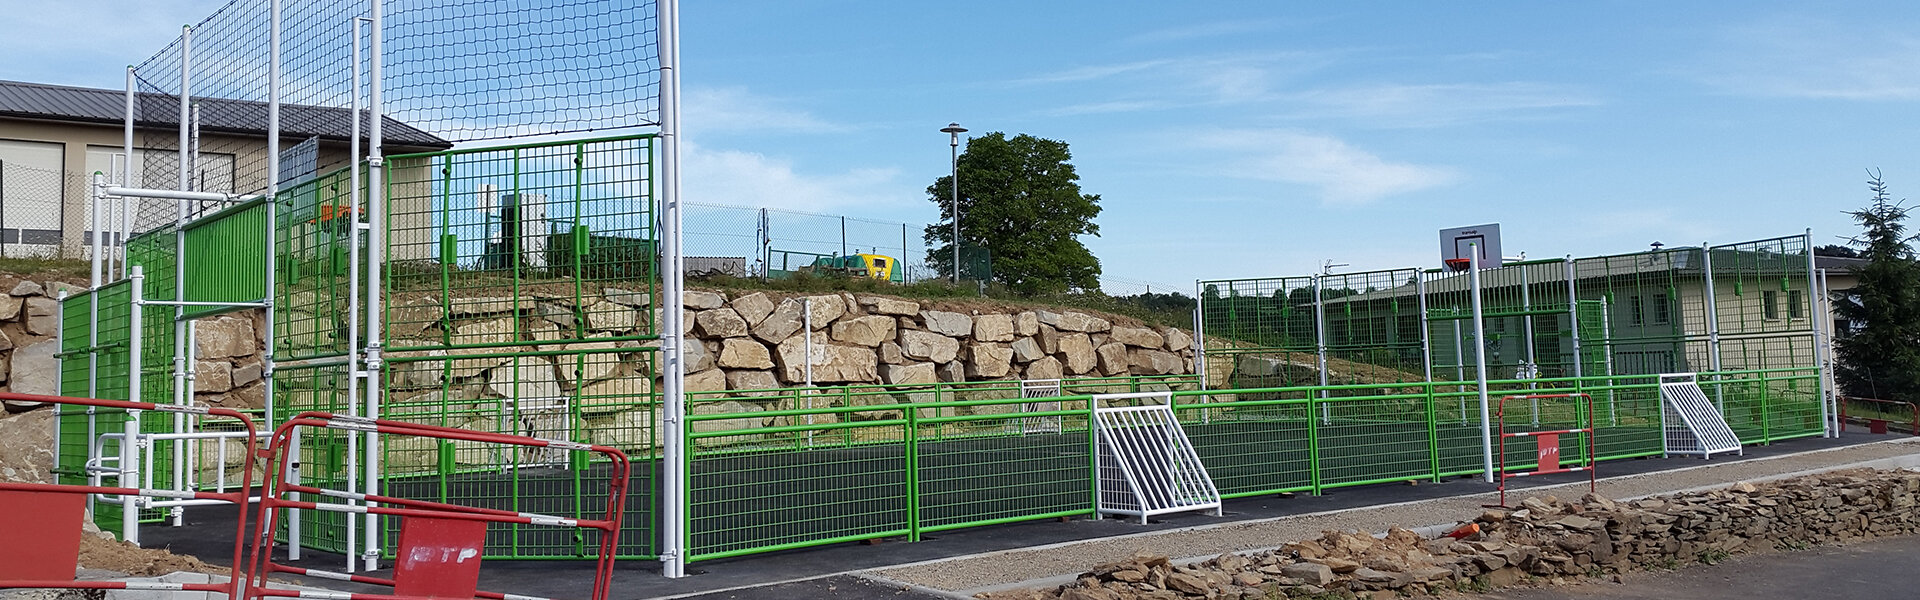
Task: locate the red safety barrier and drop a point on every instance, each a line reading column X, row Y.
column 1880, row 425
column 42, row 520
column 1547, row 443
column 440, row 544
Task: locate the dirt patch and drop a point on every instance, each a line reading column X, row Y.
column 115, row 555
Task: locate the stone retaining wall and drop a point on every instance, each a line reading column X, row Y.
column 1545, row 539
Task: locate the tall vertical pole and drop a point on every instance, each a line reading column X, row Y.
column 1573, row 321
column 1200, row 333
column 129, row 507
column 186, row 83
column 1713, row 325
column 954, row 177
column 94, row 185
column 182, row 210
column 376, row 248
column 674, row 503
column 272, row 237
column 1819, row 353
column 193, row 155
column 355, row 212
column 1480, row 362
column 126, row 178
column 1320, row 345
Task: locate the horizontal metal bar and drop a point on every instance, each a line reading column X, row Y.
column 125, row 192
column 261, row 304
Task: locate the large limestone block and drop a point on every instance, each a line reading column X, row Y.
column 403, row 374
column 721, row 323
column 1177, row 340
column 27, row 288
column 6, row 343
column 909, row 374
column 26, row 448
column 1045, row 368
column 710, row 380
column 989, row 361
column 1026, row 350
column 752, row 380
column 1077, row 351
column 212, row 376
column 867, row 331
column 993, row 328
column 882, row 305
column 1139, row 337
column 826, row 309
column 1073, row 321
column 782, row 323
column 947, row 323
column 595, row 366
column 890, row 354
column 744, row 353
column 225, row 337
column 529, row 378
column 35, row 370
column 633, row 298
column 953, row 372
column 55, row 288
column 1155, row 362
column 10, row 307
column 753, row 307
column 697, row 356
column 611, row 317
column 1114, row 359
column 42, row 316
column 831, row 364
column 410, row 318
column 490, row 331
column 304, row 330
column 703, row 300
column 613, row 395
column 1026, row 323
column 926, row 345
column 727, row 407
column 1049, row 339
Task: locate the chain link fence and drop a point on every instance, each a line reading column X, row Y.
column 744, row 241
column 35, row 220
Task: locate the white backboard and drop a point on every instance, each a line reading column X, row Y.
column 1454, row 244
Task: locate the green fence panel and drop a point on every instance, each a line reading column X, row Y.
column 226, row 256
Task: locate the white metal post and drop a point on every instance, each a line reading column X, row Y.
column 673, row 506
column 1713, row 326
column 354, row 372
column 130, row 506
column 1573, row 319
column 126, row 178
column 1200, row 346
column 376, row 248
column 1320, row 346
column 96, row 183
column 186, row 83
column 1480, row 362
column 181, row 339
column 1819, row 354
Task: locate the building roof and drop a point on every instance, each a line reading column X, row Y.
column 91, row 105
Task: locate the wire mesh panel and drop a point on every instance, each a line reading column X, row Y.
column 1253, row 442
column 1693, row 425
column 1260, row 333
column 1374, row 439
column 1656, row 311
column 1147, row 465
column 1764, row 308
column 1009, row 472
column 1372, row 327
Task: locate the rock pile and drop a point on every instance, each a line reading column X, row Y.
column 1544, row 538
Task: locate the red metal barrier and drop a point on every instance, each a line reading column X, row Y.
column 440, row 544
column 1880, row 425
column 1548, row 443
column 49, row 515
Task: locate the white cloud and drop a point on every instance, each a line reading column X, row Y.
column 1426, row 105
column 740, row 178
column 735, row 110
column 1800, row 57
column 1340, row 172
column 1095, row 72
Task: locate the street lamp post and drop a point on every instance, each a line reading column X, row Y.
column 953, row 130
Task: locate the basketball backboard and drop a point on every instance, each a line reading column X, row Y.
column 1455, row 242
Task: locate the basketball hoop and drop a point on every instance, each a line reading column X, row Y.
column 1459, row 264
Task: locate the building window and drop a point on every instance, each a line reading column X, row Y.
column 1636, row 311
column 1770, row 304
column 1794, row 302
column 1662, row 314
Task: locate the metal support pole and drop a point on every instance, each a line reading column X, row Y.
column 193, row 157
column 126, row 178
column 130, row 507
column 1819, row 354
column 954, row 178
column 376, row 247
column 1713, row 326
column 186, row 84
column 674, row 515
column 1320, row 346
column 1480, row 360
column 95, row 184
column 1573, row 320
column 1606, row 357
column 355, row 373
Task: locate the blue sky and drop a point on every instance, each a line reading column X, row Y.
column 1236, row 139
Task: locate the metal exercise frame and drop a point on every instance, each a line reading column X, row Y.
column 49, row 513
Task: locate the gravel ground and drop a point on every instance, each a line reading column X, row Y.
column 1034, row 567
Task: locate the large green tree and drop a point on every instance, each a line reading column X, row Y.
column 1020, row 200
column 1879, row 356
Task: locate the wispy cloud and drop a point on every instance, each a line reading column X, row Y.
column 1340, row 172
column 1803, row 57
column 735, row 177
column 735, row 109
column 1201, row 31
column 1427, row 105
column 1095, row 72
